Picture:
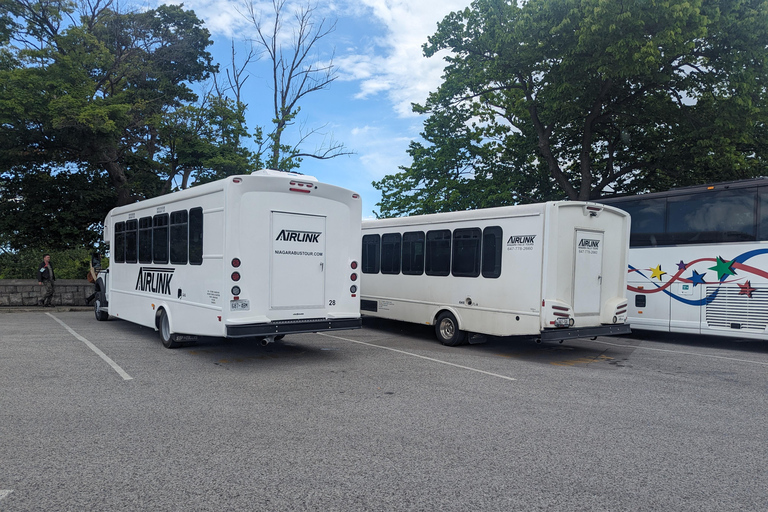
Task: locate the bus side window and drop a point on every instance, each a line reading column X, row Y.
column 438, row 254
column 119, row 253
column 390, row 253
column 371, row 254
column 492, row 237
column 145, row 240
column 179, row 237
column 131, row 231
column 413, row 253
column 466, row 252
column 196, row 236
column 160, row 238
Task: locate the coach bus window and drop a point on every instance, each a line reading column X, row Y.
column 119, row 253
column 179, row 237
column 145, row 240
column 727, row 216
column 492, row 252
column 390, row 253
column 160, row 238
column 371, row 254
column 648, row 216
column 438, row 254
column 413, row 253
column 196, row 236
column 466, row 252
column 131, row 238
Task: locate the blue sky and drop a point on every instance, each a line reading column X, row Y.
column 381, row 71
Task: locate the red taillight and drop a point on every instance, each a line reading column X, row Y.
column 353, row 277
column 235, row 262
column 236, row 180
column 235, row 276
column 354, row 265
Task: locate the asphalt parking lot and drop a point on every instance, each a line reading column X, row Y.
column 99, row 416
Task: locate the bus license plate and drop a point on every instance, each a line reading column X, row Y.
column 562, row 322
column 239, row 305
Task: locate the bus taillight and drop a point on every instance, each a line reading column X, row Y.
column 235, row 276
column 354, row 265
column 235, row 262
column 353, row 276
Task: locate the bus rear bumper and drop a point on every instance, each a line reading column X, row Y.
column 585, row 332
column 276, row 328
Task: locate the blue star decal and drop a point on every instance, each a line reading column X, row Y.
column 697, row 278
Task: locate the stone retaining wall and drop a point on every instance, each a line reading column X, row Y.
column 26, row 292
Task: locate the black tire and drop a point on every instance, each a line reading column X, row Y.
column 447, row 330
column 101, row 315
column 164, row 328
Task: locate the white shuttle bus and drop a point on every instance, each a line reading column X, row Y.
column 260, row 255
column 554, row 270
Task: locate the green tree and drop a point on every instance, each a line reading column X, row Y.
column 93, row 92
column 622, row 96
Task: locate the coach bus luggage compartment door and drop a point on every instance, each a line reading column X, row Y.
column 588, row 267
column 297, row 277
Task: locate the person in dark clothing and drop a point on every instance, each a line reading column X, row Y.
column 92, row 276
column 46, row 278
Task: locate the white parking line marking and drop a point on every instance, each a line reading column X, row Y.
column 683, row 353
column 420, row 357
column 4, row 494
column 93, row 347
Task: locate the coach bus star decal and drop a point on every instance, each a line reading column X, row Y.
column 746, row 289
column 723, row 268
column 681, row 265
column 696, row 278
column 657, row 272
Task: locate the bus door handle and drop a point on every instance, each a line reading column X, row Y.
column 321, row 266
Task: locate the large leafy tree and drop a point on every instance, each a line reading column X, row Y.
column 85, row 88
column 573, row 98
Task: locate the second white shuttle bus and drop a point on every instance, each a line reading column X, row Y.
column 260, row 255
column 554, row 270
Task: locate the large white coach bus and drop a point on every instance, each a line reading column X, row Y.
column 554, row 270
column 259, row 255
column 698, row 259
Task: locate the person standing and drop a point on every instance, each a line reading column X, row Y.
column 46, row 278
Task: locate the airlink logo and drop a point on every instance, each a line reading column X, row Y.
column 586, row 243
column 155, row 280
column 521, row 240
column 287, row 235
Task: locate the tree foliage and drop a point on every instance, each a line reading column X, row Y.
column 573, row 98
column 86, row 89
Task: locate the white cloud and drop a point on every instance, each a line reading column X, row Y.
column 395, row 64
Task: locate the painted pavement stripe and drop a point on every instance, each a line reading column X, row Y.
column 420, row 357
column 93, row 347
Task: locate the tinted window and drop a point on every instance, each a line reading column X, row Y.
column 119, row 253
column 466, row 252
column 196, row 236
column 131, row 239
column 413, row 253
column 179, row 238
column 726, row 216
column 438, row 253
column 371, row 248
column 160, row 238
column 648, row 221
column 145, row 240
column 390, row 253
column 492, row 243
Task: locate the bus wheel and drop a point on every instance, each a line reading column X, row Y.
column 447, row 330
column 164, row 326
column 101, row 315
